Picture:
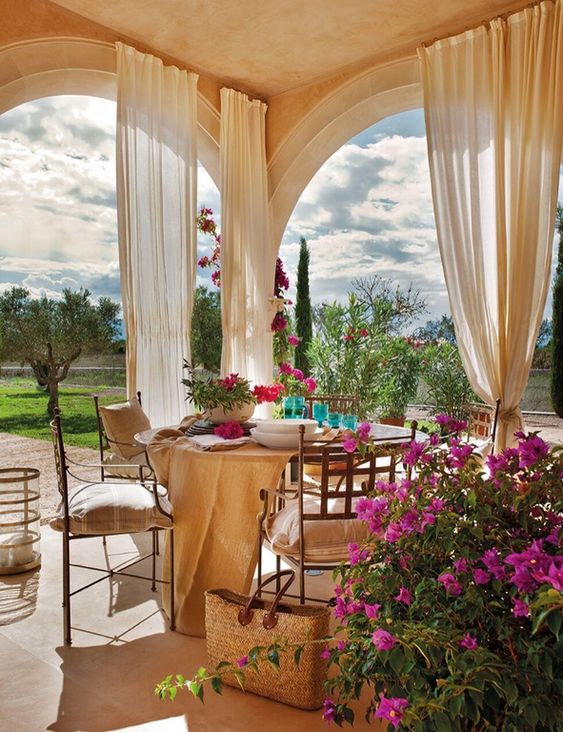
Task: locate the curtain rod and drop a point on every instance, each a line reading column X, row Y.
column 486, row 23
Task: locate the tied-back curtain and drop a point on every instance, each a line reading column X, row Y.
column 156, row 207
column 248, row 256
column 494, row 122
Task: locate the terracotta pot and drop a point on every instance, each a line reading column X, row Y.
column 236, row 414
column 395, row 421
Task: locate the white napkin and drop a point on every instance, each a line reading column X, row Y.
column 209, row 442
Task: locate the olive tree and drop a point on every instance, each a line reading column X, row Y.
column 50, row 334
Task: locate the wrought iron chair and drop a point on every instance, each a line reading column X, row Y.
column 313, row 531
column 104, row 509
column 482, row 425
column 121, row 458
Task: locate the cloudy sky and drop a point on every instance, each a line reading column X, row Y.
column 367, row 211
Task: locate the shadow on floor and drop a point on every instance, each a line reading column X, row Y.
column 18, row 596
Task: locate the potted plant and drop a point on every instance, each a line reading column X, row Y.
column 230, row 399
column 450, row 612
column 396, row 378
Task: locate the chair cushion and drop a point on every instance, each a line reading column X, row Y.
column 325, row 540
column 122, row 469
column 113, row 508
column 121, row 423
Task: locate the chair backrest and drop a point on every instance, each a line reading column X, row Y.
column 343, row 403
column 345, row 476
column 60, row 458
column 121, row 442
column 482, row 421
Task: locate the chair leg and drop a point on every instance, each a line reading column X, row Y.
column 66, row 590
column 153, row 559
column 301, row 583
column 259, row 562
column 278, row 570
column 172, row 579
column 157, row 543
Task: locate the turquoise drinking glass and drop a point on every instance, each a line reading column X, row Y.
column 349, row 421
column 320, row 412
column 333, row 419
column 293, row 407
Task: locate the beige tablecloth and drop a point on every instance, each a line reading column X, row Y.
column 216, row 502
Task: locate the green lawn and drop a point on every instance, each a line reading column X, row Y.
column 23, row 411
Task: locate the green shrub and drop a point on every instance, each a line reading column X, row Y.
column 448, row 388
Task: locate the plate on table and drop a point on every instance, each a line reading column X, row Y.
column 286, row 426
column 282, row 441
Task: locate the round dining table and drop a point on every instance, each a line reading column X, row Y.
column 216, row 502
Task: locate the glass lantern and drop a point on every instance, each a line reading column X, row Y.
column 19, row 520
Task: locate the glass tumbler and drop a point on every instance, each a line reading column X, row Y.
column 349, row 421
column 333, row 419
column 293, row 407
column 320, row 412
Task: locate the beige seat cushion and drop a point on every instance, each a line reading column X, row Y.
column 113, row 508
column 325, row 540
column 121, row 423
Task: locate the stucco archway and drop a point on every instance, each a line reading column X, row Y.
column 54, row 66
column 351, row 108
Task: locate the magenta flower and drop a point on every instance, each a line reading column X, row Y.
column 492, row 561
column 392, row 709
column 242, row 662
column 341, row 645
column 481, row 577
column 293, row 340
column 285, row 368
column 532, row 449
column 554, row 575
column 469, row 642
column 325, row 653
column 394, row 532
column 413, row 453
column 299, row 375
column 329, row 710
column 521, row 609
column 356, row 554
column 364, row 430
column 404, row 596
column 383, row 640
column 229, row 430
column 279, row 323
column 461, row 565
column 311, row 384
column 349, row 443
column 372, row 611
column 450, row 583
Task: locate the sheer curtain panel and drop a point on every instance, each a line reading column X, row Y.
column 494, row 122
column 156, row 207
column 248, row 255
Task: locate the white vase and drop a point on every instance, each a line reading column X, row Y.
column 236, row 414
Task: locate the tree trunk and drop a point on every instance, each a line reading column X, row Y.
column 53, row 397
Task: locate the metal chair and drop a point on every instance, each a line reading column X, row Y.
column 104, row 509
column 313, row 531
column 111, row 458
column 482, row 424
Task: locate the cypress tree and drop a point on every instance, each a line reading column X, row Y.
column 303, row 318
column 557, row 324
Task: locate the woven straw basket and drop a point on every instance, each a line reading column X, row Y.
column 228, row 640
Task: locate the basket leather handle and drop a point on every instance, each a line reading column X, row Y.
column 270, row 619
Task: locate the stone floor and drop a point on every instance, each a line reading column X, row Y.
column 121, row 649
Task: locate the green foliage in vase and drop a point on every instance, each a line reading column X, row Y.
column 303, row 311
column 50, row 334
column 448, row 387
column 557, row 339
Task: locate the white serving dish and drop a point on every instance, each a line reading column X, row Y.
column 283, row 441
column 286, row 426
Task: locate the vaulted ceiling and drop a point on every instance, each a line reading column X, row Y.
column 267, row 47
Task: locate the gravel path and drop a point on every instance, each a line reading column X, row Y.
column 25, row 452
column 16, row 451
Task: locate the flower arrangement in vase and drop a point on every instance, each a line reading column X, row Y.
column 230, row 399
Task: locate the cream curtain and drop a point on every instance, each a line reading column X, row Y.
column 248, row 255
column 156, row 206
column 494, row 121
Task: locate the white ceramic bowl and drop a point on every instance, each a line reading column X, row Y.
column 286, row 426
column 281, row 441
